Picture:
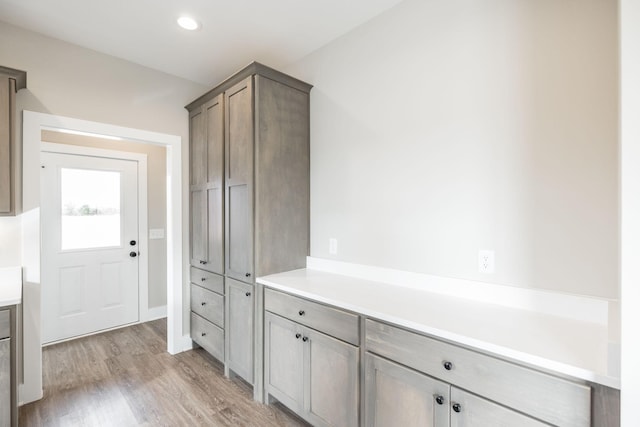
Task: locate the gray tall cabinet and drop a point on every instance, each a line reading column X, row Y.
column 249, row 201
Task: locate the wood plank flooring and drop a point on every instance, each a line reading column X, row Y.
column 125, row 377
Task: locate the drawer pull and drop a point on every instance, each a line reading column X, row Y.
column 202, row 279
column 447, row 365
column 203, row 262
column 248, row 294
column 301, row 312
column 457, row 407
column 203, row 303
column 439, row 400
column 204, row 334
column 298, row 336
column 305, row 339
column 247, row 275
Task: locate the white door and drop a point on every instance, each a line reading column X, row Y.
column 89, row 220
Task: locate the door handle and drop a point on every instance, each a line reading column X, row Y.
column 133, row 254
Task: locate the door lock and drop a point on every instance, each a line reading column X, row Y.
column 132, row 242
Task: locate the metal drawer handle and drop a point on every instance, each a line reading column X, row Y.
column 447, row 365
column 247, row 275
column 203, row 262
column 439, row 400
column 203, row 303
column 301, row 312
column 202, row 279
column 248, row 294
column 298, row 336
column 305, row 339
column 457, row 407
column 204, row 334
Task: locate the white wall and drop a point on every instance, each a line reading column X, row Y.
column 444, row 127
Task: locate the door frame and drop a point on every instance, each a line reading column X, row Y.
column 144, row 314
column 32, row 125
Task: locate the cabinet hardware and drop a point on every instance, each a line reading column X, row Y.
column 247, row 275
column 447, row 365
column 203, row 303
column 248, row 294
column 305, row 339
column 301, row 312
column 202, row 279
column 457, row 407
column 439, row 400
column 298, row 336
column 204, row 334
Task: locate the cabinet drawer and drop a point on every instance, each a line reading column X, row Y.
column 208, row 336
column 551, row 399
column 331, row 321
column 5, row 325
column 207, row 304
column 213, row 282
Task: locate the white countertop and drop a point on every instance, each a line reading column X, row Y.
column 10, row 286
column 569, row 347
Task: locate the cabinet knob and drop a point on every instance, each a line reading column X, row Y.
column 203, row 303
column 202, row 279
column 301, row 312
column 247, row 275
column 457, row 407
column 439, row 400
column 204, row 334
column 447, row 365
column 248, row 294
column 305, row 339
column 203, row 262
column 298, row 336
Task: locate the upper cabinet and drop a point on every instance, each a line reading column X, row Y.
column 10, row 82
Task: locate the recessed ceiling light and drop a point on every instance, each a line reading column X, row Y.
column 188, row 23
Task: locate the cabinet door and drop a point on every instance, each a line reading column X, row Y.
column 5, row 382
column 214, row 112
column 399, row 396
column 239, row 329
column 7, row 90
column 469, row 410
column 239, row 180
column 331, row 377
column 207, row 186
column 284, row 361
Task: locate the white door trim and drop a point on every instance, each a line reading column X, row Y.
column 32, row 124
column 143, row 227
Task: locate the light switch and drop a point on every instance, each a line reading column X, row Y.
column 156, row 233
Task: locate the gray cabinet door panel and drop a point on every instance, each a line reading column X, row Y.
column 214, row 174
column 399, row 396
column 198, row 228
column 197, row 148
column 5, row 382
column 284, row 353
column 6, row 179
column 215, row 230
column 477, row 412
column 239, row 127
column 239, row 328
column 332, row 380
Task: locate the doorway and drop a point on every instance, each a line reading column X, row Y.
column 90, row 244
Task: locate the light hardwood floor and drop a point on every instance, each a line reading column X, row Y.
column 126, row 378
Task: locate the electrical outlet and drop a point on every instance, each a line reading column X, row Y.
column 333, row 246
column 486, row 261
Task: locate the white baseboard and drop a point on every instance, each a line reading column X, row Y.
column 576, row 307
column 154, row 313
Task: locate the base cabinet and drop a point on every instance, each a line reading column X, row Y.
column 311, row 373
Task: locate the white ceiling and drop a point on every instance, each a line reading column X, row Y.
column 233, row 32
